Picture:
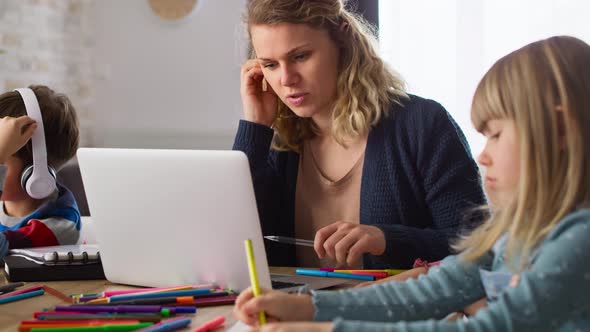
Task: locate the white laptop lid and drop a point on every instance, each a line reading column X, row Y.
column 173, row 217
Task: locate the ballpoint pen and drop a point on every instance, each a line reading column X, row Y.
column 290, row 240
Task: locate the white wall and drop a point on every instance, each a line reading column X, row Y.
column 443, row 48
column 167, row 84
column 49, row 42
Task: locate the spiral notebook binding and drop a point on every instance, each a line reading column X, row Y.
column 82, row 255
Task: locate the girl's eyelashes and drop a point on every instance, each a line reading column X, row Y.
column 268, row 65
column 496, row 135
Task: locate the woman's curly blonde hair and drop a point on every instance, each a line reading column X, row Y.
column 366, row 86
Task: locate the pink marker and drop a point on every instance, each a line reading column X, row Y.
column 160, row 289
column 21, row 291
column 213, row 324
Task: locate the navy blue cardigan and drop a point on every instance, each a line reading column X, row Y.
column 418, row 185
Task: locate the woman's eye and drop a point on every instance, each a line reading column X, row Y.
column 268, row 65
column 495, row 136
column 300, row 56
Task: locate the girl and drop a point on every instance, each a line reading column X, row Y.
column 531, row 258
column 377, row 177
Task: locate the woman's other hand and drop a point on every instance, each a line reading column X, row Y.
column 346, row 242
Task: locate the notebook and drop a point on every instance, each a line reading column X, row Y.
column 60, row 255
column 19, row 268
column 176, row 217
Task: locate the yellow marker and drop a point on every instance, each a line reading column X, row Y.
column 254, row 276
column 98, row 301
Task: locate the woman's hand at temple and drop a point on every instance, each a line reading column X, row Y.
column 259, row 106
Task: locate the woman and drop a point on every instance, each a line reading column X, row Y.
column 375, row 176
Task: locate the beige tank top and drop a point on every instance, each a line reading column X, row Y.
column 320, row 201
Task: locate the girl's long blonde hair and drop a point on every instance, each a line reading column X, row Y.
column 545, row 88
column 366, row 87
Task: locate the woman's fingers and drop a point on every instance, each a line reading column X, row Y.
column 343, row 246
column 321, row 236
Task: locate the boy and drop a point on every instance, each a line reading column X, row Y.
column 26, row 221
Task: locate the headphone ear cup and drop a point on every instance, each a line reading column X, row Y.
column 25, row 175
column 28, row 171
column 52, row 172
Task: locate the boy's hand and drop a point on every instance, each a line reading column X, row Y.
column 278, row 306
column 14, row 134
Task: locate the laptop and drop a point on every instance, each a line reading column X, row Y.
column 178, row 217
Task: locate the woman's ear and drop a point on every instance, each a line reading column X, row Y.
column 343, row 26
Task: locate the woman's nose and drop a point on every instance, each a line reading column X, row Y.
column 289, row 76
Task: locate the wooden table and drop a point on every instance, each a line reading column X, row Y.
column 11, row 314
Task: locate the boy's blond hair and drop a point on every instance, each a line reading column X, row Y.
column 59, row 119
column 543, row 87
column 366, row 87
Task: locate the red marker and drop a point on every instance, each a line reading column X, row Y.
column 210, row 325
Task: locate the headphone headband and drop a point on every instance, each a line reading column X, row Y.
column 40, row 184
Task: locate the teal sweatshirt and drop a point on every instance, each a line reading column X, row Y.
column 552, row 295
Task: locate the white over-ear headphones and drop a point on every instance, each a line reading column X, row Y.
column 38, row 179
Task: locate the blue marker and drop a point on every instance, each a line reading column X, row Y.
column 22, row 296
column 168, row 325
column 189, row 292
column 317, row 273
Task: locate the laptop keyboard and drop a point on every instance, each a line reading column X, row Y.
column 283, row 284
